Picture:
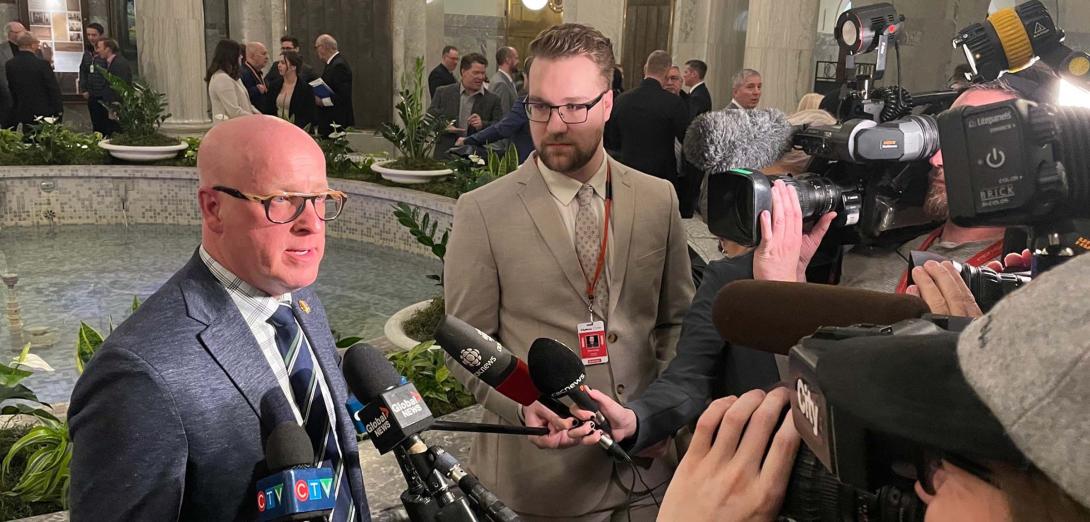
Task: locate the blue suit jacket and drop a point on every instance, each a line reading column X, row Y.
column 514, row 126
column 170, row 418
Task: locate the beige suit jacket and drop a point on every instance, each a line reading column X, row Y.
column 511, row 270
column 229, row 98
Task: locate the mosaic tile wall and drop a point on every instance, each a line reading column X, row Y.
column 111, row 194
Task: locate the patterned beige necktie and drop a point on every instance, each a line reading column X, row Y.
column 588, row 243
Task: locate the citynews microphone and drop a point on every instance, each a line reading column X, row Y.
column 489, row 361
column 771, row 316
column 558, row 373
column 297, row 490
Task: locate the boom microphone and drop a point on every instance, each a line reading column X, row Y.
column 558, row 372
column 772, row 316
column 296, row 489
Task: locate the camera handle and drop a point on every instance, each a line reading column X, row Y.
column 1054, row 244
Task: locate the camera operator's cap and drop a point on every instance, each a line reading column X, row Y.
column 1029, row 361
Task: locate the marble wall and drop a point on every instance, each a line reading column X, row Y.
column 473, row 34
column 713, row 31
column 783, row 57
column 171, row 56
column 112, row 194
column 605, row 15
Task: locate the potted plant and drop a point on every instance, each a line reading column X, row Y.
column 414, row 136
column 140, row 111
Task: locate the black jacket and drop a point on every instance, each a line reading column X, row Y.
column 439, row 77
column 274, row 81
column 447, row 102
column 97, row 84
column 34, row 88
column 641, row 131
column 301, row 108
column 338, row 76
column 700, row 101
column 251, row 79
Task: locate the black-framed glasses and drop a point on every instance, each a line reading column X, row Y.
column 570, row 113
column 285, row 207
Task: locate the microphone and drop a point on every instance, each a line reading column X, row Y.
column 497, row 367
column 296, row 489
column 482, row 497
column 558, row 372
column 718, row 141
column 772, row 316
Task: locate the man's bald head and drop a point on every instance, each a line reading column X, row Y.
column 252, row 147
column 257, row 55
column 15, row 30
column 326, row 46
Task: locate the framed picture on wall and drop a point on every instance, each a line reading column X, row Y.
column 59, row 25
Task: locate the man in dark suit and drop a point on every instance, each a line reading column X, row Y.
column 443, row 74
column 7, row 52
column 169, row 421
column 253, row 73
column 109, row 58
column 467, row 104
column 100, row 117
column 338, row 76
column 646, row 121
column 34, row 88
column 700, row 99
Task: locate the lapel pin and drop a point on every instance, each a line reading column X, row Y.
column 304, row 306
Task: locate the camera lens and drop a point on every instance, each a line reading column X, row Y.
column 989, row 286
column 815, row 495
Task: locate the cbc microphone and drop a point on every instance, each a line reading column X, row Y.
column 558, row 372
column 296, row 490
column 771, row 316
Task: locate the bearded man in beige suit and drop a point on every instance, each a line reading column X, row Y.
column 522, row 254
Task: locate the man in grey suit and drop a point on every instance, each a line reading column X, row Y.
column 467, row 104
column 502, row 83
column 525, row 252
column 170, row 419
column 7, row 52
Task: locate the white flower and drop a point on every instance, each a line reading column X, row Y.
column 334, row 126
column 50, row 120
column 335, row 135
column 476, row 159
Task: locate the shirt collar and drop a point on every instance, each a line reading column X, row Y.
column 251, row 301
column 505, row 75
column 564, row 188
column 335, row 53
column 462, row 89
column 698, row 84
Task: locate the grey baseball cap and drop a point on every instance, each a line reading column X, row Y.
column 1028, row 360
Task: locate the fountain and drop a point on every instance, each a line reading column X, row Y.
column 15, row 319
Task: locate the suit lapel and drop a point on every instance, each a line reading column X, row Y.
column 231, row 343
column 624, row 208
column 539, row 204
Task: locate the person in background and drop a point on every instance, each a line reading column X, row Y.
column 110, row 59
column 294, row 98
column 34, row 89
column 503, row 82
column 514, row 127
column 443, row 74
column 337, row 75
column 746, row 89
column 673, row 82
column 467, row 103
column 700, row 99
column 100, row 117
column 227, row 94
column 810, row 101
column 252, row 73
column 288, row 44
column 7, row 52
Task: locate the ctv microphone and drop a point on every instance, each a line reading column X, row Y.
column 296, row 490
column 558, row 372
column 772, row 316
column 497, row 367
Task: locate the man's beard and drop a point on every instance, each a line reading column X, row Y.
column 935, row 205
column 572, row 158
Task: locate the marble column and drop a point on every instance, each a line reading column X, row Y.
column 435, row 31
column 606, row 16
column 410, row 39
column 713, row 31
column 780, row 40
column 170, row 38
column 927, row 58
column 258, row 21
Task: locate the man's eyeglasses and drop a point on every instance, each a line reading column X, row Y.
column 570, row 113
column 287, row 206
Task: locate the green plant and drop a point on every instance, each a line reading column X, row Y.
column 189, row 156
column 16, row 398
column 337, row 151
column 43, row 451
column 474, row 172
column 11, row 507
column 416, row 133
column 422, row 324
column 424, row 230
column 140, row 111
column 423, row 365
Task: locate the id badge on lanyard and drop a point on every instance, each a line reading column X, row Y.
column 592, row 334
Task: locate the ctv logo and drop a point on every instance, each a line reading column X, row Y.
column 313, row 489
column 269, row 498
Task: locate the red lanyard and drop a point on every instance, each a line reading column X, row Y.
column 593, row 283
column 989, row 253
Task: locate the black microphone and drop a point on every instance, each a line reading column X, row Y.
column 493, row 508
column 558, row 373
column 771, row 316
column 489, row 361
column 295, row 489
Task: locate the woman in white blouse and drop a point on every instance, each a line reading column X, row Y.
column 228, row 95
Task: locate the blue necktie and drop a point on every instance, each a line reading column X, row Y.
column 308, row 396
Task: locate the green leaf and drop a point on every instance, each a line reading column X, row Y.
column 11, row 376
column 345, row 342
column 26, row 407
column 88, row 341
column 135, row 304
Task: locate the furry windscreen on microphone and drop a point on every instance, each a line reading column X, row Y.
column 721, row 140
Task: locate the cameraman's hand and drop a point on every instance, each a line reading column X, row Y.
column 722, row 477
column 561, row 434
column 811, row 241
column 943, row 289
column 622, row 420
column 1013, row 262
column 777, row 257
